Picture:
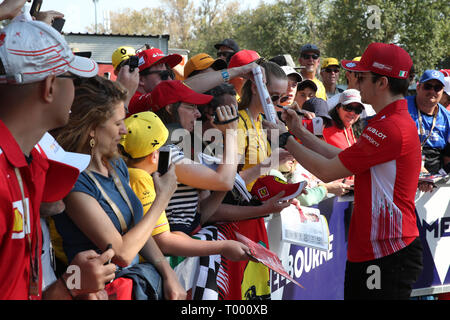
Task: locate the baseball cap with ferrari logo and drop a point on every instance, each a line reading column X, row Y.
column 385, row 59
column 153, row 56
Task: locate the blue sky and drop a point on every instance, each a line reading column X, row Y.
column 80, row 14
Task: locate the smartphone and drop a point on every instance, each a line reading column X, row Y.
column 35, row 7
column 58, row 24
column 164, row 159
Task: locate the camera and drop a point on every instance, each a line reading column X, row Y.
column 133, row 62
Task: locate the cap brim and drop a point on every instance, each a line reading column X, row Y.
column 55, row 152
column 172, row 60
column 293, row 190
column 197, row 98
column 83, row 67
column 306, row 83
column 60, row 179
column 352, row 65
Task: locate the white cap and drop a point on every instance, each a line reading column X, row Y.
column 350, row 96
column 32, row 50
column 447, row 85
column 53, row 151
column 288, row 70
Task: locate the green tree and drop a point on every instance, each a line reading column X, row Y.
column 421, row 27
column 280, row 28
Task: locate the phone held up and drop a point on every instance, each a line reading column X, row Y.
column 58, row 23
column 164, row 159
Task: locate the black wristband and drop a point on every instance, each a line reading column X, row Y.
column 283, row 138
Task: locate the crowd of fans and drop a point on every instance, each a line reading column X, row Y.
column 120, row 217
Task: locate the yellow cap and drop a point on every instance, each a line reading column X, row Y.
column 202, row 61
column 329, row 62
column 121, row 54
column 356, row 59
column 146, row 133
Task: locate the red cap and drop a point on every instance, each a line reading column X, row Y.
column 150, row 57
column 172, row 91
column 242, row 58
column 381, row 58
column 269, row 186
column 59, row 181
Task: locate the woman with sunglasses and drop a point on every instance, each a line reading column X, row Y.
column 339, row 131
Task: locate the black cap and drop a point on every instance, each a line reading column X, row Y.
column 230, row 43
column 307, row 83
column 310, row 48
column 318, row 106
column 280, row 60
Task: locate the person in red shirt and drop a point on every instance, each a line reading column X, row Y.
column 154, row 67
column 340, row 132
column 37, row 70
column 384, row 257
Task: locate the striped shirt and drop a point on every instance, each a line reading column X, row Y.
column 386, row 162
column 182, row 210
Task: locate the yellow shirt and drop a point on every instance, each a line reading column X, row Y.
column 255, row 147
column 142, row 184
column 321, row 92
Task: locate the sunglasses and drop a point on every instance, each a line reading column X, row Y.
column 357, row 109
column 309, row 56
column 329, row 70
column 276, row 97
column 436, row 87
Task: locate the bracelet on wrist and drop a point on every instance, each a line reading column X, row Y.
column 225, row 75
column 283, row 138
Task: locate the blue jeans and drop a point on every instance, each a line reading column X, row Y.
column 147, row 282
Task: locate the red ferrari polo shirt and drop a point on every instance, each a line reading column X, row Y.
column 386, row 162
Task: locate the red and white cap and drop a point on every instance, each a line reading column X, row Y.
column 32, row 50
column 350, row 96
column 269, row 186
column 381, row 58
column 64, row 168
column 153, row 56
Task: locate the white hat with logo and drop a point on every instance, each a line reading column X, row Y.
column 32, row 50
column 350, row 96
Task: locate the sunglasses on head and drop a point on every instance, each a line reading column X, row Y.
column 436, row 87
column 277, row 97
column 308, row 56
column 357, row 109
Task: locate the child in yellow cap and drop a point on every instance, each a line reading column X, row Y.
column 140, row 148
